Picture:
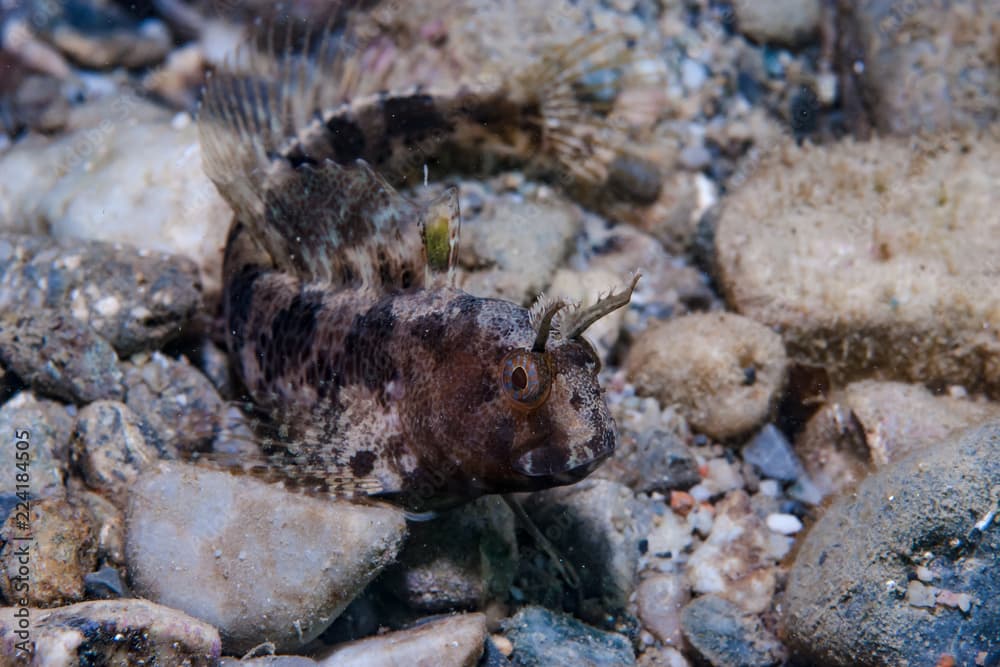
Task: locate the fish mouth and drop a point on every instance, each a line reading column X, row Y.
column 553, row 462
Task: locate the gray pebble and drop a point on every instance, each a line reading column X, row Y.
column 60, row 357
column 111, row 632
column 772, row 455
column 176, row 400
column 593, row 524
column 513, row 247
column 134, row 299
column 111, row 446
column 461, row 560
column 654, row 460
column 544, row 638
column 269, row 661
column 48, row 426
column 104, row 583
column 848, row 602
column 726, row 636
column 695, row 157
column 256, row 561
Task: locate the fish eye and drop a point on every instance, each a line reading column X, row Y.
column 526, row 378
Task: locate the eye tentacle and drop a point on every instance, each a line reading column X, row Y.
column 573, row 322
column 541, row 316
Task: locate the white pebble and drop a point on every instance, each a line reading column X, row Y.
column 693, row 74
column 770, row 488
column 786, row 524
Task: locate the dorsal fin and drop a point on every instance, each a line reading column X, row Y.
column 340, row 223
column 345, row 225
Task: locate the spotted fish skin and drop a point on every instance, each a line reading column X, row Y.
column 369, row 372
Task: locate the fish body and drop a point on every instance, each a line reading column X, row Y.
column 371, row 374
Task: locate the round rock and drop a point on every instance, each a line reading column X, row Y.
column 44, row 427
column 59, row 356
column 111, row 632
column 725, row 635
column 928, row 65
column 111, row 446
column 849, row 598
column 256, row 561
column 136, row 300
column 542, row 637
column 907, row 294
column 461, row 560
column 725, row 372
column 61, row 551
column 176, row 399
column 777, row 21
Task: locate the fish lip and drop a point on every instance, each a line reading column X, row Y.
column 550, row 461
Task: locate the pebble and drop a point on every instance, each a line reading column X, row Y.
column 133, row 299
column 461, row 560
column 92, row 183
column 100, row 35
column 108, row 522
column 720, row 476
column 778, row 21
column 112, row 445
column 693, row 74
column 912, row 84
column 695, row 157
column 259, row 563
column 652, row 460
column 59, row 356
column 917, row 512
column 545, row 638
column 786, row 524
column 669, row 536
column 871, row 423
column 739, row 558
column 723, row 371
column 800, row 264
column 60, row 553
column 452, row 641
column 269, row 661
column 772, row 455
column 659, row 600
column 110, row 632
column 48, row 426
column 593, row 524
column 513, row 246
column 723, row 634
column 36, row 104
column 176, row 400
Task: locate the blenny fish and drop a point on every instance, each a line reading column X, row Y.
column 370, row 372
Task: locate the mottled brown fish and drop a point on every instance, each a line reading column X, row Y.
column 372, row 374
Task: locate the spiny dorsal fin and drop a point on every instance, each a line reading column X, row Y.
column 318, row 219
column 343, row 224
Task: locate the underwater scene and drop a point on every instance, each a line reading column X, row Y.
column 485, row 333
